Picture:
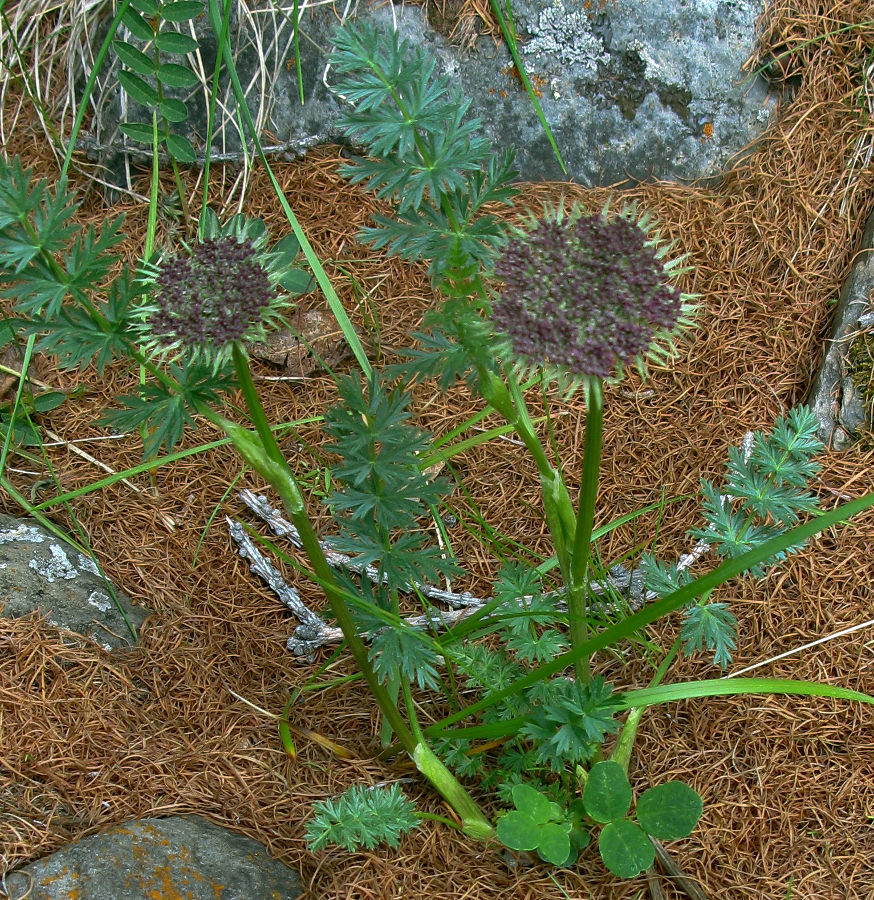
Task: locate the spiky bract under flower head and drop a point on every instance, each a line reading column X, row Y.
column 227, row 288
column 585, row 296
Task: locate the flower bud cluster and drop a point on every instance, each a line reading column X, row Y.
column 211, row 297
column 586, row 295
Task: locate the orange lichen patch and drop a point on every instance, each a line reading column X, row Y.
column 537, row 81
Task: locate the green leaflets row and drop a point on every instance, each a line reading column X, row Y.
column 146, row 75
column 381, row 497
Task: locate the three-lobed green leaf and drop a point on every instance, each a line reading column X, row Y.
column 540, row 824
column 518, row 831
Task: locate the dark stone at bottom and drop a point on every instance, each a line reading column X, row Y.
column 177, row 858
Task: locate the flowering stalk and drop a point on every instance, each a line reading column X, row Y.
column 583, row 297
column 577, row 595
column 206, row 304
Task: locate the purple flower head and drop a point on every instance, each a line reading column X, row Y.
column 585, row 295
column 211, row 297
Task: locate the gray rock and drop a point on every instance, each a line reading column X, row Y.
column 839, row 406
column 40, row 572
column 177, row 857
column 630, row 90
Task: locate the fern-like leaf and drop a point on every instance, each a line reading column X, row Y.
column 361, row 817
column 711, row 626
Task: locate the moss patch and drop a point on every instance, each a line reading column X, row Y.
column 859, row 364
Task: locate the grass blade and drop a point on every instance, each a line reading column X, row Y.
column 509, row 33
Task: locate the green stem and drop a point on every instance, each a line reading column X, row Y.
column 281, row 478
column 510, row 403
column 256, row 410
column 473, row 823
column 357, row 647
column 578, row 592
column 625, row 743
column 433, row 817
column 411, row 711
column 279, row 475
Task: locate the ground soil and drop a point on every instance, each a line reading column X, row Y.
column 788, row 783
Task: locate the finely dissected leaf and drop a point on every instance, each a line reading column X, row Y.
column 770, row 490
column 138, row 26
column 534, row 648
column 134, row 58
column 662, row 577
column 522, row 605
column 164, row 413
column 424, row 156
column 181, row 149
column 607, row 794
column 669, row 811
column 79, row 338
column 530, row 801
column 382, row 492
column 88, row 261
column 402, row 650
column 38, row 283
column 456, row 755
column 175, row 75
column 712, row 626
column 36, row 289
column 625, row 849
column 518, row 831
column 492, row 670
column 555, row 844
column 571, row 721
column 361, row 817
column 181, row 11
column 174, row 42
column 434, row 357
column 33, row 225
column 731, row 532
column 138, row 89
